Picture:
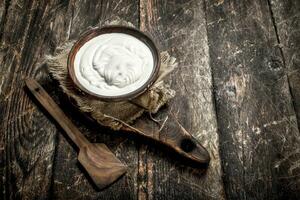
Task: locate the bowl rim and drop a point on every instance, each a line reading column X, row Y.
column 90, row 34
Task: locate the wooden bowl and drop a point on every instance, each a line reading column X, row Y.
column 115, row 29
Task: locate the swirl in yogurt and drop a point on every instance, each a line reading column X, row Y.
column 118, row 65
column 113, row 64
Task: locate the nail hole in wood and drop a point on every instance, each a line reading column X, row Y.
column 37, row 89
column 187, row 145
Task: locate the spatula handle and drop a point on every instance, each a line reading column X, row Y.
column 173, row 135
column 48, row 103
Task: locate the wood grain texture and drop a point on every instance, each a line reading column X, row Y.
column 259, row 136
column 180, row 28
column 246, row 52
column 68, row 180
column 287, row 23
column 286, row 19
column 27, row 136
column 286, row 16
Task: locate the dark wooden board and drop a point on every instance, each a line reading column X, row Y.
column 27, row 135
column 237, row 89
column 286, row 16
column 180, row 28
column 286, row 19
column 69, row 182
column 259, row 136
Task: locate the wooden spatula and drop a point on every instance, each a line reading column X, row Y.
column 100, row 163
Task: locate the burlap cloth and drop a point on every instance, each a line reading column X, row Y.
column 113, row 114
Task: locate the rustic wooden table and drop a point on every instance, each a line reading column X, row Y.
column 238, row 93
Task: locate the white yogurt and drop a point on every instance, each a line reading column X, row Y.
column 113, row 64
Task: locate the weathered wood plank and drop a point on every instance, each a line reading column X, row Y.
column 3, row 13
column 286, row 16
column 69, row 181
column 258, row 128
column 27, row 136
column 180, row 28
column 259, row 137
